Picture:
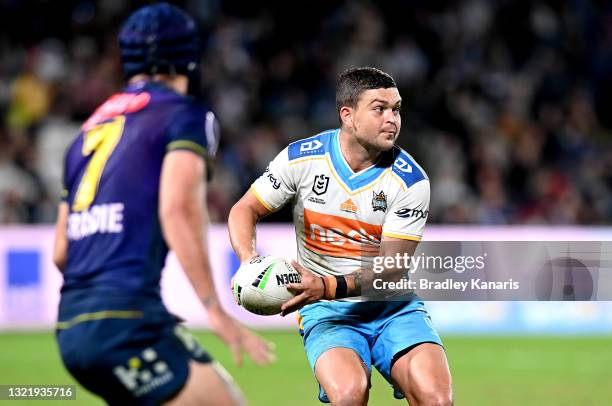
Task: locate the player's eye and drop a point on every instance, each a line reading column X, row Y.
column 379, row 109
column 397, row 109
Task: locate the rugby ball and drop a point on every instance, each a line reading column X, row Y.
column 259, row 285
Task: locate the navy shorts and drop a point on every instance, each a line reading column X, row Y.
column 135, row 357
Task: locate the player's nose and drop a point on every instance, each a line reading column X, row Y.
column 391, row 119
column 390, row 116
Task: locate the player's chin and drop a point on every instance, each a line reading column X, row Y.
column 386, row 141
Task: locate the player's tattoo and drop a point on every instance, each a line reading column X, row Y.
column 354, row 289
column 361, row 281
column 358, row 281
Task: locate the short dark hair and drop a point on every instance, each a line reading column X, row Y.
column 352, row 82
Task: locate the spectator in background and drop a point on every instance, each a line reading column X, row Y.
column 507, row 102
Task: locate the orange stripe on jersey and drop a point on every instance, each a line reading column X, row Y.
column 340, row 236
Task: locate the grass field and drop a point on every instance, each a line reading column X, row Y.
column 486, row 370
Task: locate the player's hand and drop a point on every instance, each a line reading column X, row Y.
column 239, row 338
column 310, row 290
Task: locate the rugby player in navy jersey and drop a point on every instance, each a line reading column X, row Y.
column 134, row 187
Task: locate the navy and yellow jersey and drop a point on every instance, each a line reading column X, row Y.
column 111, row 184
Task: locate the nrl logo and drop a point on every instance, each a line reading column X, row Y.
column 379, row 201
column 320, row 184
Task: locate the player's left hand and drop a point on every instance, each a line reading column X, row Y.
column 310, row 290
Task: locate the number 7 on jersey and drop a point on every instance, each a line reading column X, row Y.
column 101, row 140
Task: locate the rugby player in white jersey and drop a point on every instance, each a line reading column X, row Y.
column 354, row 195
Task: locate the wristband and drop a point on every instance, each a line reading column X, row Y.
column 341, row 287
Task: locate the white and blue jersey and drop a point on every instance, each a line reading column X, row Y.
column 340, row 218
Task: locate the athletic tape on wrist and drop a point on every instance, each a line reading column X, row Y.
column 341, row 287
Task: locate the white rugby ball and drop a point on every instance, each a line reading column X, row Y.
column 259, row 285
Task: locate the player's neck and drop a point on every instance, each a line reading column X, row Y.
column 178, row 83
column 357, row 155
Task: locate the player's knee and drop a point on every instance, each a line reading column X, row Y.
column 438, row 397
column 350, row 392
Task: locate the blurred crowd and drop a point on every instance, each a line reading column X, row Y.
column 505, row 102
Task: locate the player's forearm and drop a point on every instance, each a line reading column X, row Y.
column 356, row 283
column 362, row 280
column 241, row 224
column 183, row 230
column 60, row 247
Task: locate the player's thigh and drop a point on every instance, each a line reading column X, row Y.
column 339, row 355
column 344, row 375
column 208, row 384
column 423, row 375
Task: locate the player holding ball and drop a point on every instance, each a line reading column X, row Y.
column 350, row 189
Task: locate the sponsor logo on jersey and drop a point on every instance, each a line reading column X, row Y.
column 316, row 200
column 310, row 146
column 348, row 206
column 339, row 236
column 275, row 182
column 121, row 103
column 407, row 213
column 320, row 184
column 402, row 165
column 379, row 201
column 144, row 373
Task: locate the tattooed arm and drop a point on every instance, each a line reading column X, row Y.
column 314, row 288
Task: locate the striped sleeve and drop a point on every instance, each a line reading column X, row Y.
column 194, row 129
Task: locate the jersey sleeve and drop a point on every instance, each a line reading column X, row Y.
column 277, row 185
column 407, row 215
column 195, row 129
column 71, row 168
column 64, row 191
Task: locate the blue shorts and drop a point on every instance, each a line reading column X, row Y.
column 379, row 332
column 137, row 355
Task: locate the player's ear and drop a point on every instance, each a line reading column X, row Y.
column 346, row 115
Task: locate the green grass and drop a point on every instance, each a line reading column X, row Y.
column 486, row 370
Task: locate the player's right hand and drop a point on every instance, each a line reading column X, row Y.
column 311, row 289
column 239, row 338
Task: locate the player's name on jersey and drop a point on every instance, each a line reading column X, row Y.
column 100, row 218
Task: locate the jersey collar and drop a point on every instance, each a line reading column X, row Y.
column 351, row 179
